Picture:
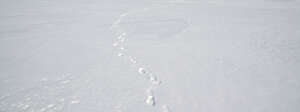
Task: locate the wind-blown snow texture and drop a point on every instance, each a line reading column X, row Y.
column 149, row 56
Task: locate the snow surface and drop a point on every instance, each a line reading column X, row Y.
column 149, row 56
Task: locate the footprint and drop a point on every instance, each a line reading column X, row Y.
column 150, row 100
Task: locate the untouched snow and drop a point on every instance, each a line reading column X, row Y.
column 149, row 56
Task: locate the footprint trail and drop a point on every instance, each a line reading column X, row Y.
column 120, row 44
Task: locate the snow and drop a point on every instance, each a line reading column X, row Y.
column 149, row 56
